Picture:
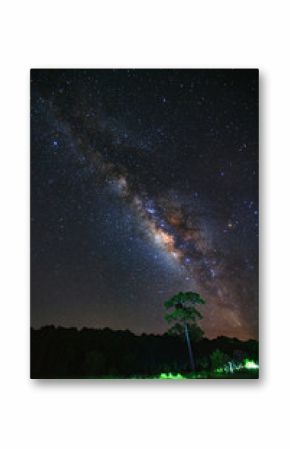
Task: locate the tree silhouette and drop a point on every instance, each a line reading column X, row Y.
column 218, row 359
column 194, row 331
column 184, row 314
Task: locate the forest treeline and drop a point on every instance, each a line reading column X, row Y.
column 58, row 352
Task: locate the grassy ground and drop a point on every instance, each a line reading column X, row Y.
column 239, row 374
column 243, row 374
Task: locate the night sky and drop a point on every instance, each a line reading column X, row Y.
column 144, row 183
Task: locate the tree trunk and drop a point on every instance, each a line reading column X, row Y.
column 191, row 361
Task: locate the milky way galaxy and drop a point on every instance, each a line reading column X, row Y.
column 144, row 183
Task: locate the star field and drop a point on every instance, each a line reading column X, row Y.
column 144, row 183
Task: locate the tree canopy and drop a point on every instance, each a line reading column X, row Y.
column 183, row 304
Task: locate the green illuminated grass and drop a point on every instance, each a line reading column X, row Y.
column 250, row 364
column 171, row 376
column 248, row 369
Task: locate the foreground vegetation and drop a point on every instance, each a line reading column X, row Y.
column 91, row 353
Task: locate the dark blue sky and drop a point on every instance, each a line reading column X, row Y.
column 144, row 183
